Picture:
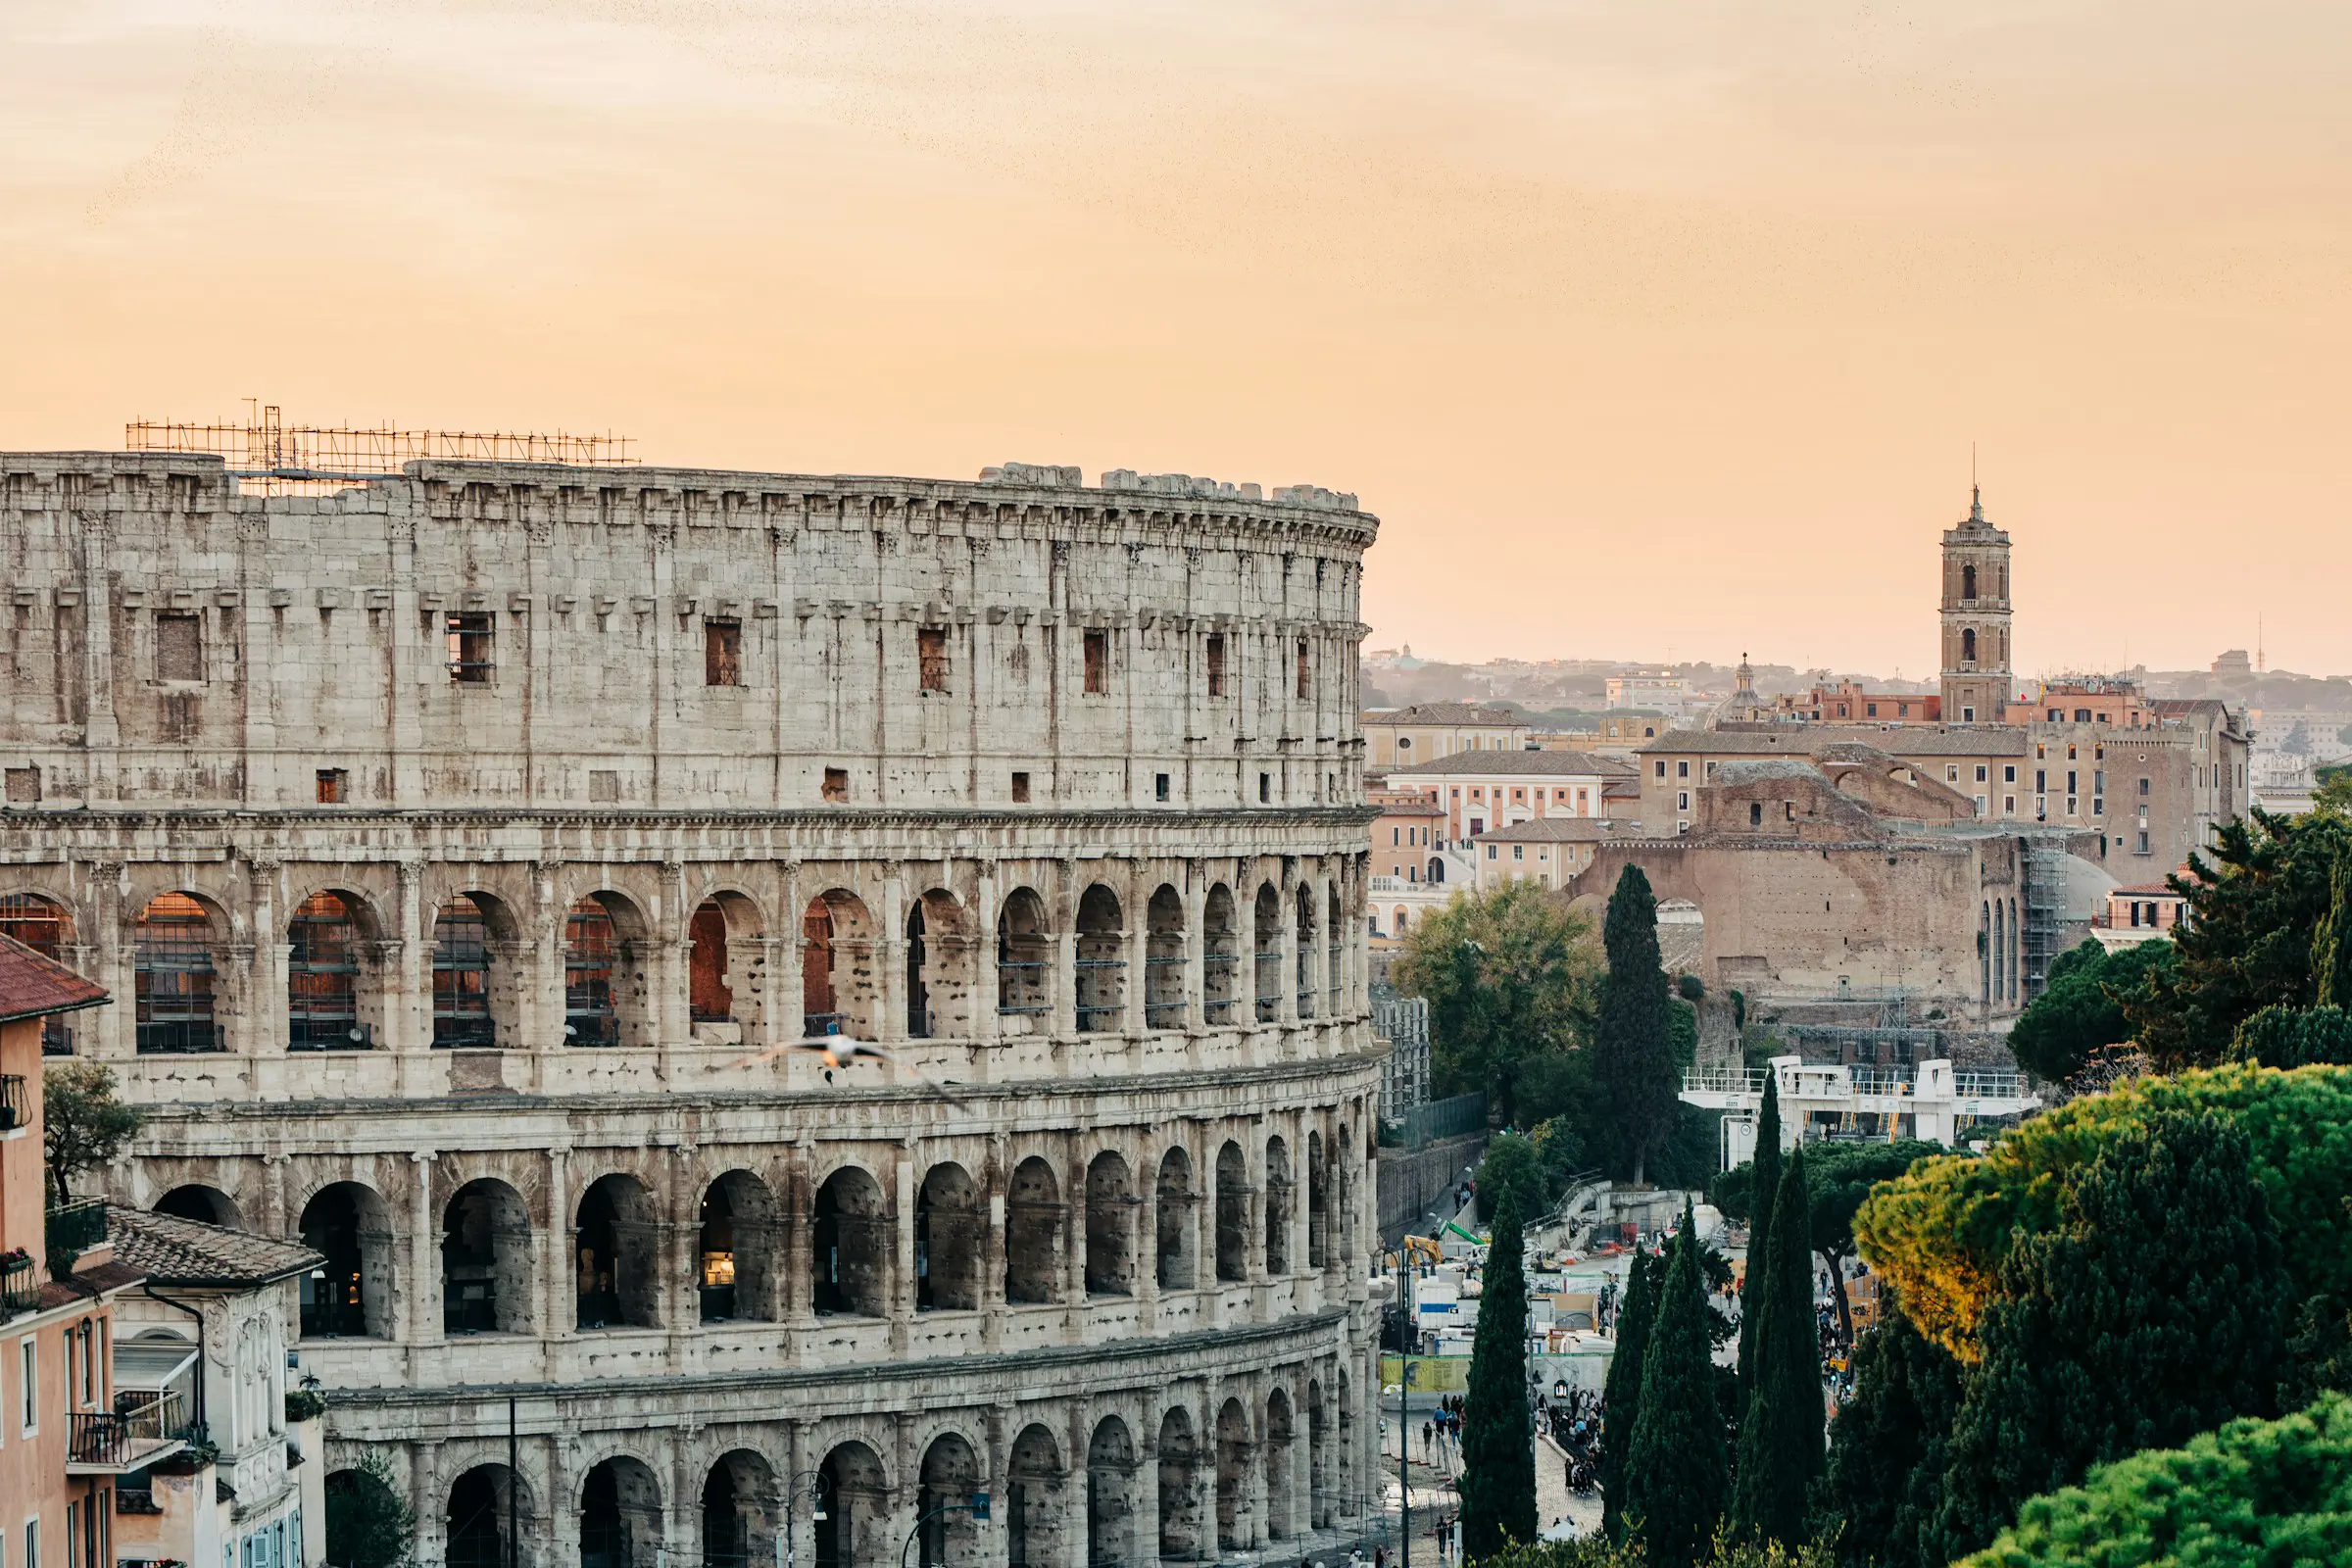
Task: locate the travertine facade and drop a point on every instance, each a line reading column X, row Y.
column 469, row 841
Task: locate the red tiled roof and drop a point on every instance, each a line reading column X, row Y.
column 32, row 986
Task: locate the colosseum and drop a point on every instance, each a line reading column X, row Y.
column 815, row 998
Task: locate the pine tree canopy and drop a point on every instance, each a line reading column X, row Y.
column 1678, row 1474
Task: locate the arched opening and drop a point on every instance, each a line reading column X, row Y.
column 2001, row 951
column 1112, row 1495
column 1435, row 873
column 620, row 1515
column 2017, row 949
column 1033, row 1234
column 346, row 1296
column 852, row 1504
column 1968, row 582
column 1320, row 1478
column 604, row 987
column 939, row 968
column 837, row 966
column 1173, row 1221
column 1318, row 1204
column 172, row 960
column 1220, row 956
column 1179, row 1487
column 462, row 977
column 1101, row 966
column 1163, row 961
column 1035, row 1521
column 1279, row 1206
column 1304, row 902
column 325, row 952
column 1984, row 951
column 739, row 1274
column 1232, row 1214
column 1279, row 1523
column 1110, row 1227
column 1269, row 954
column 951, row 1229
column 851, row 1262
column 485, row 1260
column 919, row 989
column 950, row 1537
column 1334, row 969
column 46, row 927
column 617, row 1252
column 709, row 997
column 1025, row 963
column 1967, row 644
column 740, row 1512
column 207, row 1206
column 1233, row 1477
column 484, row 1506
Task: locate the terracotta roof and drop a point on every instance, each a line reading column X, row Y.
column 1807, row 740
column 1418, row 805
column 1517, row 764
column 1446, row 713
column 1550, row 830
column 32, row 986
column 171, row 1250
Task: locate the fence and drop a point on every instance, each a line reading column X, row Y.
column 1423, row 1125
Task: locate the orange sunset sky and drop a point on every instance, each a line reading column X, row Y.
column 1646, row 325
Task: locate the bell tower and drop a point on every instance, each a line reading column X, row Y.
column 1976, row 682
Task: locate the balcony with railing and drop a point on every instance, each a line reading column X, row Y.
column 16, row 1105
column 72, row 1229
column 141, row 1428
column 20, row 1284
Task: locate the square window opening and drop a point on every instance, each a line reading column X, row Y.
column 1098, row 663
column 723, row 653
column 931, row 658
column 1020, row 788
column 334, row 786
column 837, row 785
column 471, row 643
column 1159, row 787
column 178, row 648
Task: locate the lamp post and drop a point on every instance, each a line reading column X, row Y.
column 787, row 1544
column 976, row 1505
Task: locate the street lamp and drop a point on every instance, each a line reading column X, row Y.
column 976, row 1505
column 787, row 1543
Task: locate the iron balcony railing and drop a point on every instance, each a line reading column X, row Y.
column 1989, row 1085
column 1725, row 1080
column 20, row 1286
column 72, row 1229
column 16, row 1108
column 119, row 1437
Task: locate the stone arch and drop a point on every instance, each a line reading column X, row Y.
column 1113, row 1494
column 1036, row 1504
column 1233, row 1213
column 839, row 995
column 607, row 991
column 853, row 1499
column 741, row 1511
column 1266, row 928
column 1220, row 956
column 1402, row 925
column 1335, row 968
column 334, row 987
column 486, row 1260
column 1102, row 961
column 42, row 923
column 951, row 1238
column 349, row 1295
column 1180, row 1533
column 1165, row 1005
column 620, row 1514
column 727, row 978
column 1233, row 1477
column 951, row 1473
column 1318, row 1203
column 1024, row 965
column 852, row 1236
column 1110, row 1205
column 207, row 1206
column 616, row 1254
column 739, row 1258
column 1033, row 1219
column 939, row 967
column 485, row 1503
column 176, row 949
column 1319, row 1465
column 1173, row 1203
column 1279, row 1193
column 476, row 994
column 1277, row 1482
column 1967, row 644
column 1304, row 919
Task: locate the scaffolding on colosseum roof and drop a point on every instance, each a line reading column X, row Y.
column 270, row 457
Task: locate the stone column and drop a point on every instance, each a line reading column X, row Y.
column 408, row 1010
column 787, row 1001
column 423, row 1299
column 553, row 1280
column 889, row 955
column 1135, row 912
column 1286, row 944
column 995, row 1177
column 901, row 1269
column 1065, row 916
column 799, row 1299
column 540, row 1021
column 1195, row 948
column 111, row 1032
column 985, row 908
column 430, row 1507
column 674, row 945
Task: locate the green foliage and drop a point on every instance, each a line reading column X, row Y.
column 1941, row 1232
column 1681, row 1028
column 1678, row 1472
column 1600, row 1552
column 1499, row 1454
column 1739, row 1011
column 2295, row 1037
column 2331, row 942
column 1888, row 1441
column 1623, row 1390
column 1764, row 1176
column 304, row 1404
column 2077, row 1013
column 1691, row 986
column 1781, row 1453
column 84, row 1126
column 1511, row 1165
column 1633, row 1052
column 2152, row 1312
column 1839, row 1177
column 368, row 1525
column 1509, row 976
column 2246, row 944
column 2253, row 1494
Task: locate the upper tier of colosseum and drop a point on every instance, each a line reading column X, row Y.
column 511, row 635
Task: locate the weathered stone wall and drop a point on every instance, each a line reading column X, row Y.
column 1414, row 1180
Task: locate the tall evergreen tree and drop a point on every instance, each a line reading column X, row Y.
column 1621, row 1395
column 1678, row 1475
column 1763, row 1185
column 2331, row 941
column 1499, row 1445
column 1887, row 1446
column 1780, row 1450
column 1633, row 1045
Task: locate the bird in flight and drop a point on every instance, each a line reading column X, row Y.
column 840, row 1050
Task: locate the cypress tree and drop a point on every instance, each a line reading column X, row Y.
column 1499, row 1445
column 2331, row 940
column 1781, row 1446
column 1885, row 1473
column 1632, row 1045
column 1621, row 1395
column 1763, row 1187
column 1678, row 1472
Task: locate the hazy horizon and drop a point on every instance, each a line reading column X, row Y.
column 1665, row 325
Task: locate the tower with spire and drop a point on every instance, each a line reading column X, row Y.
column 1977, row 678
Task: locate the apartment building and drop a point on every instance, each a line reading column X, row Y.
column 1483, row 790
column 1400, row 737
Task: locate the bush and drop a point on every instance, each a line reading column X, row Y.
column 2253, row 1494
column 1596, row 1551
column 1691, row 987
column 304, row 1404
column 368, row 1525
